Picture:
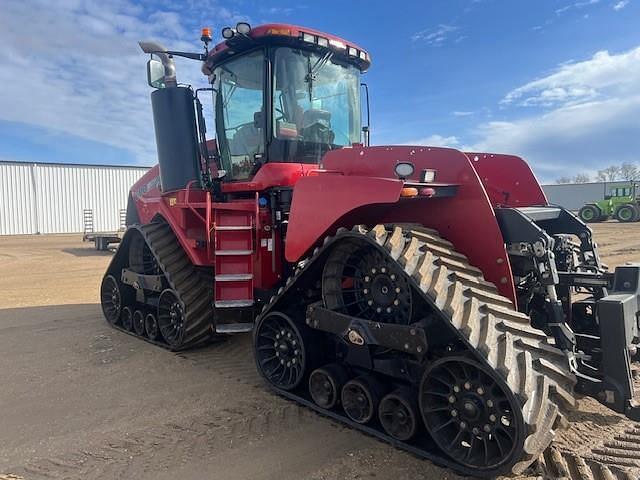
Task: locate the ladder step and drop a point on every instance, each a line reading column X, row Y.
column 234, row 227
column 233, row 303
column 234, row 277
column 234, row 327
column 234, row 252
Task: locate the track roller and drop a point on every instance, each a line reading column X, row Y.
column 138, row 322
column 281, row 356
column 360, row 398
column 111, row 299
column 325, row 385
column 398, row 413
column 151, row 326
column 127, row 318
column 171, row 317
column 469, row 414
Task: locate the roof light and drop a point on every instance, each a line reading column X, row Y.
column 227, row 33
column 363, row 55
column 323, row 42
column 307, row 37
column 243, row 28
column 279, row 31
column 353, row 52
column 337, row 44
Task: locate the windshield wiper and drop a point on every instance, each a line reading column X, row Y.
column 312, row 72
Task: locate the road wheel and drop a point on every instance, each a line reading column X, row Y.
column 279, row 351
column 590, row 213
column 627, row 213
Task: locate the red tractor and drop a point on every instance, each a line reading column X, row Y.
column 429, row 297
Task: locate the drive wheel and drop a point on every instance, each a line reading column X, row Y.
column 360, row 399
column 151, row 326
column 590, row 213
column 111, row 299
column 363, row 282
column 127, row 319
column 280, row 351
column 398, row 414
column 627, row 213
column 325, row 385
column 171, row 318
column 469, row 415
column 138, row 322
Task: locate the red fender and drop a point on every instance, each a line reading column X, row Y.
column 328, row 201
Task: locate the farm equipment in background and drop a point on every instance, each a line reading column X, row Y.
column 622, row 203
column 423, row 295
column 101, row 240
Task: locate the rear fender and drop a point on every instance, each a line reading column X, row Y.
column 507, row 179
column 325, row 202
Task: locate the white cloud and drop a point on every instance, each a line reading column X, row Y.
column 436, row 141
column 576, row 5
column 437, row 36
column 589, row 118
column 462, row 113
column 620, row 5
column 602, row 76
column 83, row 74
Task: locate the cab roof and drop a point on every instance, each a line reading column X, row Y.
column 286, row 35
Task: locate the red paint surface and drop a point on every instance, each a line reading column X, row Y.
column 467, row 220
column 508, row 180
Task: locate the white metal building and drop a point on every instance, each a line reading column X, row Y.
column 51, row 197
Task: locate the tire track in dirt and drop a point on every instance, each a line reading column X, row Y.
column 170, row 445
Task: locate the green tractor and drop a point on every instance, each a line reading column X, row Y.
column 622, row 203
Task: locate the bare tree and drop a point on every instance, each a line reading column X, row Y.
column 563, row 180
column 629, row 171
column 582, row 178
column 609, row 174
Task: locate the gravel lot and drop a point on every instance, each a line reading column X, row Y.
column 82, row 401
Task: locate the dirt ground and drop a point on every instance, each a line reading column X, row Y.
column 79, row 400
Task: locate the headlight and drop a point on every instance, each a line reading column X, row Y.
column 428, row 176
column 243, row 28
column 404, row 169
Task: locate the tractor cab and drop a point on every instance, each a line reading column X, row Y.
column 283, row 95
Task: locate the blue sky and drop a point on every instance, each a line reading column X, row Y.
column 556, row 81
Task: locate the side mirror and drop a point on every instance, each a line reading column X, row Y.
column 155, row 73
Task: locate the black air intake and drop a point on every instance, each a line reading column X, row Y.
column 174, row 121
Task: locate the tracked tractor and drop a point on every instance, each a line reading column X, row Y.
column 426, row 296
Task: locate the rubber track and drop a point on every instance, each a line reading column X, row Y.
column 194, row 291
column 487, row 322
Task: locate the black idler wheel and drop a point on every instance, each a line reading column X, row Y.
column 151, row 326
column 363, row 282
column 127, row 318
column 171, row 318
column 469, row 415
column 325, row 385
column 360, row 398
column 138, row 322
column 398, row 413
column 279, row 350
column 111, row 299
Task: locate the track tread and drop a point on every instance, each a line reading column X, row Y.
column 502, row 337
column 183, row 277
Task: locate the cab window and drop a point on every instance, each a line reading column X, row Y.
column 239, row 114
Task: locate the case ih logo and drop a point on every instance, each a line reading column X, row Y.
column 152, row 184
